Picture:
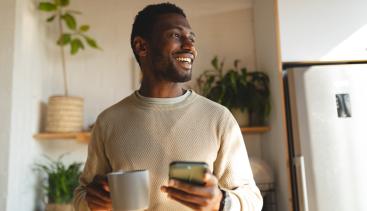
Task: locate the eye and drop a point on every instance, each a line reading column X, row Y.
column 175, row 35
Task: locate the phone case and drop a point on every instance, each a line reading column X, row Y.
column 187, row 171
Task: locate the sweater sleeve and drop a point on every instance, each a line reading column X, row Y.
column 96, row 164
column 232, row 167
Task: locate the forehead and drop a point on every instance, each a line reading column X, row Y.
column 171, row 20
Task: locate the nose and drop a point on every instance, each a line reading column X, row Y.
column 188, row 44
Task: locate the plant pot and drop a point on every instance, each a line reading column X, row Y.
column 59, row 207
column 242, row 117
column 64, row 114
column 256, row 119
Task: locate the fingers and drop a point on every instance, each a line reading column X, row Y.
column 202, row 191
column 183, row 196
column 208, row 190
column 103, row 181
column 210, row 180
column 98, row 206
column 196, row 197
column 98, row 195
column 188, row 204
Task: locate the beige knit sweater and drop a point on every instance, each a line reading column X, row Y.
column 139, row 134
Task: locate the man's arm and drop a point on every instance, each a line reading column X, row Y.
column 235, row 188
column 197, row 197
column 233, row 170
column 93, row 191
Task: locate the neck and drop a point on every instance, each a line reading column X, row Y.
column 162, row 90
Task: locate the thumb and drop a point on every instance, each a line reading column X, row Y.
column 210, row 180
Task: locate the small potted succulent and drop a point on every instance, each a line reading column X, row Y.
column 58, row 183
column 245, row 93
column 65, row 112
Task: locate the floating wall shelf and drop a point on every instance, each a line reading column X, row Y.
column 84, row 137
column 247, row 130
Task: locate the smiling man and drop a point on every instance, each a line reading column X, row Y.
column 162, row 122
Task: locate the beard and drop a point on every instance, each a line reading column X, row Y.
column 165, row 68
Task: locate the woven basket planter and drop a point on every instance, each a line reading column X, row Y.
column 64, row 114
column 59, row 207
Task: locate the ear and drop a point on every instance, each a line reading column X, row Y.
column 140, row 46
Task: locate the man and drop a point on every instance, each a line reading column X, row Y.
column 162, row 122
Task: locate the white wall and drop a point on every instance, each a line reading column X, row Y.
column 26, row 95
column 105, row 77
column 228, row 35
column 102, row 78
column 274, row 143
column 7, row 23
column 323, row 30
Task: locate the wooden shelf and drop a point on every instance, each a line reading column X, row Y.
column 83, row 137
column 255, row 129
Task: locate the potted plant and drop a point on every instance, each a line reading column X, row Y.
column 65, row 113
column 245, row 93
column 259, row 100
column 59, row 182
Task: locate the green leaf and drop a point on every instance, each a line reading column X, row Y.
column 84, row 28
column 51, row 18
column 233, row 76
column 74, row 48
column 64, row 39
column 76, row 44
column 244, row 73
column 80, row 43
column 59, row 180
column 91, row 42
column 208, row 85
column 47, row 6
column 64, row 2
column 69, row 20
column 215, row 62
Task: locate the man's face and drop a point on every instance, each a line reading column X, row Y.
column 172, row 50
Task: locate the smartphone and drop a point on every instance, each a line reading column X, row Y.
column 190, row 172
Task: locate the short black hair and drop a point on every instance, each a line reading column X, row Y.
column 146, row 18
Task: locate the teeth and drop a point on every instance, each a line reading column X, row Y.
column 182, row 59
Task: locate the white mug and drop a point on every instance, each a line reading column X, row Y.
column 129, row 190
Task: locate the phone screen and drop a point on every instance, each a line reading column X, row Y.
column 190, row 172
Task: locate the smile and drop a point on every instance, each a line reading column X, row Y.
column 184, row 59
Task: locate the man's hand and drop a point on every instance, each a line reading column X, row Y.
column 206, row 197
column 98, row 195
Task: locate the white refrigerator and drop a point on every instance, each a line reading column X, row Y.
column 327, row 130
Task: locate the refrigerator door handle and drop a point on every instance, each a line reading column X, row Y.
column 299, row 163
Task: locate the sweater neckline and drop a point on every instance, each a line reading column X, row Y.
column 164, row 103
